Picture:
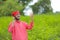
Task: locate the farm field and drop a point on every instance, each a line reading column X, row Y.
column 46, row 27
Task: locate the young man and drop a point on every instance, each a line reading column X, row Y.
column 19, row 28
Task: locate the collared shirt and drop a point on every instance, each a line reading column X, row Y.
column 19, row 30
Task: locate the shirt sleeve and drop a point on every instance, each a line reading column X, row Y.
column 10, row 28
column 29, row 26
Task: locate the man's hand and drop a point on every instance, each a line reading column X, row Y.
column 31, row 16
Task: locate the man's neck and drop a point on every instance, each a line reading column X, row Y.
column 17, row 20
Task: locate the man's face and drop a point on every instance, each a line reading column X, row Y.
column 17, row 17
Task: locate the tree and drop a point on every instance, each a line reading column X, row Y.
column 24, row 2
column 46, row 4
column 8, row 6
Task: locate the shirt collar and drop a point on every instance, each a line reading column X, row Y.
column 18, row 21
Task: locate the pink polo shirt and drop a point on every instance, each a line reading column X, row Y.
column 19, row 30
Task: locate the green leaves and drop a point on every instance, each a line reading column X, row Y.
column 46, row 27
column 8, row 6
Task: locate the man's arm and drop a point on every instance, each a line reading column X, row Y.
column 10, row 28
column 31, row 23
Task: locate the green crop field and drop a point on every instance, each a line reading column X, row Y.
column 46, row 27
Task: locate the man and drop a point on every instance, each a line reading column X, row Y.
column 19, row 28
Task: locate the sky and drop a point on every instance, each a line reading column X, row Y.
column 55, row 5
column 28, row 10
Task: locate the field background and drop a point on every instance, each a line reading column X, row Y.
column 46, row 27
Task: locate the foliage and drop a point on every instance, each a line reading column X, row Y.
column 46, row 4
column 8, row 6
column 24, row 2
column 46, row 27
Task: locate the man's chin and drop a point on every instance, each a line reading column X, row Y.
column 17, row 19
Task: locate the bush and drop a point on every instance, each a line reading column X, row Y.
column 8, row 6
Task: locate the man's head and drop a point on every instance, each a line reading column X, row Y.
column 16, row 15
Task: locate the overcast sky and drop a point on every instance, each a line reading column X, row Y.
column 55, row 5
